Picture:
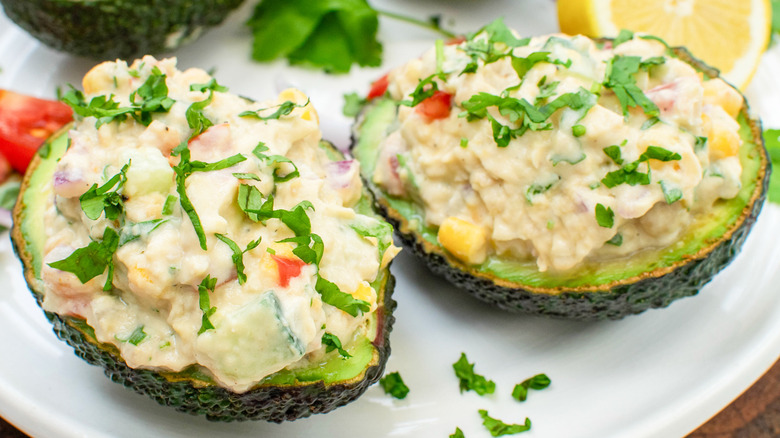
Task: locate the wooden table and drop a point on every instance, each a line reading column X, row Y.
column 755, row 414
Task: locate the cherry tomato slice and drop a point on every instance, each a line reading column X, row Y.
column 378, row 88
column 25, row 122
column 288, row 268
column 435, row 107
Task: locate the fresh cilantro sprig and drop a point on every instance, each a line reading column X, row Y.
column 204, row 302
column 469, row 380
column 629, row 173
column 394, row 385
column 332, row 342
column 497, row 427
column 283, row 109
column 537, row 382
column 153, row 95
column 605, row 216
column 105, row 198
column 92, row 260
column 330, row 35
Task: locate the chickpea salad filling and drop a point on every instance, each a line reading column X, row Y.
column 189, row 226
column 557, row 149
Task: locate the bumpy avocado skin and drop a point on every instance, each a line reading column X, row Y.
column 191, row 391
column 270, row 403
column 110, row 29
column 608, row 301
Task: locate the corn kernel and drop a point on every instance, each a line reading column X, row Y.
column 717, row 92
column 722, row 138
column 465, row 240
column 365, row 292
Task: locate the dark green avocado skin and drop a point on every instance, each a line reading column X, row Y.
column 270, row 403
column 603, row 302
column 618, row 302
column 110, row 29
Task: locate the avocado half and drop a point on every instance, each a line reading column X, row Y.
column 609, row 290
column 285, row 395
column 110, row 29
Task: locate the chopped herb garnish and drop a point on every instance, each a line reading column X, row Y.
column 137, row 336
column 332, row 342
column 153, row 94
column 283, row 109
column 470, row 381
column 464, row 142
column 425, row 88
column 353, row 103
column 250, row 176
column 649, row 123
column 238, row 254
column 211, row 85
column 620, row 79
column 660, row 154
column 276, row 161
column 204, row 302
column 616, row 240
column 97, row 200
column 499, row 428
column 486, row 50
column 701, row 143
column 629, row 174
column 102, row 107
column 92, row 260
column 394, row 385
column 614, row 153
column 196, row 120
column 605, row 216
column 536, row 189
column 170, row 202
column 458, row 433
column 672, row 193
column 537, row 382
column 331, row 294
column 131, row 232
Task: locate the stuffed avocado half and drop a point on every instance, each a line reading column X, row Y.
column 563, row 176
column 206, row 250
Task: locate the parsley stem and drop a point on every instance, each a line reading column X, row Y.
column 431, row 24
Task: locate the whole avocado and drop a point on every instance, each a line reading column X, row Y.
column 110, row 29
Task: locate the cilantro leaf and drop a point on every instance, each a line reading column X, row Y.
column 458, row 433
column 136, row 337
column 499, row 428
column 353, row 103
column 204, row 302
column 621, row 80
column 196, row 120
column 614, row 153
column 616, row 240
column 470, row 381
column 132, row 231
column 210, row 85
column 238, row 254
column 331, row 294
column 154, row 97
column 97, row 200
column 332, row 342
column 672, row 193
column 623, row 36
column 283, row 109
column 537, row 382
column 170, row 201
column 329, row 35
column 92, row 260
column 660, row 154
column 276, row 162
column 605, row 216
column 103, row 108
column 394, row 385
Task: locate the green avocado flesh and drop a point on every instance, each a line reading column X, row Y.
column 285, row 395
column 604, row 290
column 110, row 29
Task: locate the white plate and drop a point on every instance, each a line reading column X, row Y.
column 658, row 374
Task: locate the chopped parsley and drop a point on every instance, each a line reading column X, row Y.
column 470, row 381
column 604, row 216
column 170, row 202
column 425, row 88
column 620, row 79
column 332, row 342
column 537, row 382
column 701, row 143
column 394, row 385
column 522, row 65
column 92, row 260
column 97, row 200
column 136, row 337
column 614, row 153
column 457, row 434
column 486, row 50
column 671, row 192
column 102, row 107
column 536, row 189
column 131, row 232
column 153, row 95
column 499, row 428
column 276, row 161
column 331, row 294
column 238, row 254
column 204, row 302
column 196, row 120
column 211, row 85
column 283, row 109
column 629, row 173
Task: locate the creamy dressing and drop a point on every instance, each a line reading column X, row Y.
column 537, row 196
column 153, row 309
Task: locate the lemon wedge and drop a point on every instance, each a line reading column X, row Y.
column 730, row 35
